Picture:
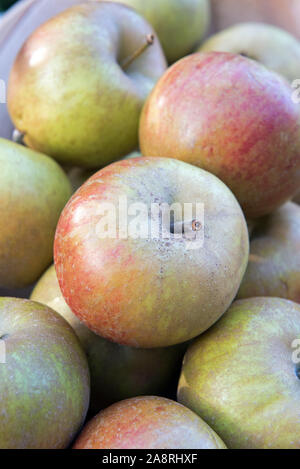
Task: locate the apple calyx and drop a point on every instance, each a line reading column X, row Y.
column 129, row 60
column 18, row 137
column 297, row 370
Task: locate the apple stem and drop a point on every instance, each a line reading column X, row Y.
column 18, row 137
column 127, row 62
column 185, row 227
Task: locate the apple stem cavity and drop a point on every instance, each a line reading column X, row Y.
column 129, row 60
column 297, row 370
column 18, row 137
column 4, row 337
column 185, row 227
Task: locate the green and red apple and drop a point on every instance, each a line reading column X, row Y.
column 232, row 117
column 274, row 261
column 88, row 75
column 33, row 192
column 44, row 378
column 147, row 423
column 140, row 289
column 273, row 47
column 242, row 376
column 117, row 372
column 180, row 24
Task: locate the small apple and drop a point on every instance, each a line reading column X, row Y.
column 274, row 262
column 273, row 47
column 242, row 376
column 148, row 423
column 233, row 117
column 44, row 378
column 140, row 287
column 117, row 372
column 88, row 71
column 180, row 24
column 33, row 192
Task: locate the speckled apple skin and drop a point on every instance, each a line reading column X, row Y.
column 148, row 423
column 84, row 108
column 45, row 381
column 117, row 372
column 274, row 261
column 33, row 192
column 233, row 117
column 240, row 378
column 150, row 292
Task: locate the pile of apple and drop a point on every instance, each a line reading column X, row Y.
column 93, row 358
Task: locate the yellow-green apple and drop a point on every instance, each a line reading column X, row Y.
column 275, row 48
column 88, row 71
column 147, row 423
column 117, row 372
column 44, row 377
column 242, row 376
column 33, row 192
column 180, row 24
column 282, row 13
column 130, row 275
column 16, row 25
column 233, row 117
column 274, row 262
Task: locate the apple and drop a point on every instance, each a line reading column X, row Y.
column 138, row 286
column 274, row 262
column 147, row 423
column 16, row 25
column 242, row 376
column 231, row 116
column 273, row 47
column 282, row 13
column 44, row 378
column 117, row 372
column 180, row 24
column 33, row 192
column 88, row 71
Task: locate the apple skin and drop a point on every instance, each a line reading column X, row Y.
column 45, row 380
column 282, row 13
column 233, row 117
column 274, row 261
column 16, row 26
column 145, row 292
column 117, row 372
column 180, row 24
column 147, row 423
column 86, row 107
column 273, row 47
column 240, row 377
column 33, row 192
